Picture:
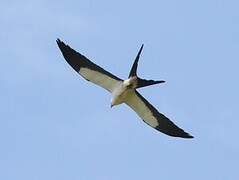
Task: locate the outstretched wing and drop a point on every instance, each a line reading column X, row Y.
column 152, row 117
column 88, row 69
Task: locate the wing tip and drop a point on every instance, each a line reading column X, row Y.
column 58, row 41
column 188, row 136
column 70, row 55
column 181, row 135
column 184, row 135
column 175, row 132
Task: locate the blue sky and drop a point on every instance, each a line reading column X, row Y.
column 55, row 125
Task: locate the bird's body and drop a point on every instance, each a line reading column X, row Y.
column 123, row 91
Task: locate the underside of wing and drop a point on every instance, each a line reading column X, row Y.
column 88, row 69
column 153, row 118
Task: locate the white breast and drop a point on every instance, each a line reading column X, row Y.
column 121, row 92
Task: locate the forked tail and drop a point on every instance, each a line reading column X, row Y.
column 133, row 72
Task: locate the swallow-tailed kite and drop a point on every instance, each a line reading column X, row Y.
column 123, row 91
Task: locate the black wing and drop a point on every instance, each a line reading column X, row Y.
column 88, row 69
column 153, row 118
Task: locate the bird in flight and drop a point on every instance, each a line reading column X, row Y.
column 123, row 91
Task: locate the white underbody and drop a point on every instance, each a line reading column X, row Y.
column 123, row 91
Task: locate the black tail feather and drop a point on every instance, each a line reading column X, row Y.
column 133, row 71
column 144, row 82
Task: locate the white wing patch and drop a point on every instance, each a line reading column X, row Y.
column 100, row 79
column 142, row 110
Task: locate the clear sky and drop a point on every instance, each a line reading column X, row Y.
column 57, row 126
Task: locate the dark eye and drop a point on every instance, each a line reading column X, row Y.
column 130, row 86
